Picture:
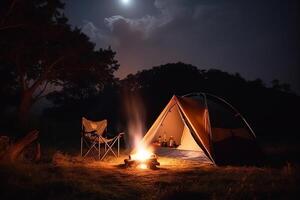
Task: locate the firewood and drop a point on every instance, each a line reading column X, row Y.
column 151, row 163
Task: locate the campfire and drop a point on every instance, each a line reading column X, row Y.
column 143, row 156
column 142, row 159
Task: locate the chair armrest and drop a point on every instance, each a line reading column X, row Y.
column 120, row 134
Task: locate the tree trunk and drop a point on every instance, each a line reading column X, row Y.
column 17, row 148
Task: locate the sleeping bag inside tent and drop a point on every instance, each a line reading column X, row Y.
column 204, row 125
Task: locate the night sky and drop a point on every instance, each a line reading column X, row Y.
column 256, row 38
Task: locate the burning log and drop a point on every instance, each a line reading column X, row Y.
column 151, row 162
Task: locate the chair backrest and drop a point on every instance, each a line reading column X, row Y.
column 98, row 126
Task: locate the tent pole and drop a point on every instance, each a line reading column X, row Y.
column 181, row 117
column 209, row 125
column 204, row 148
column 236, row 111
column 231, row 106
column 184, row 123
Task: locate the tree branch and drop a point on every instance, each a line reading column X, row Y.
column 42, row 90
column 44, row 75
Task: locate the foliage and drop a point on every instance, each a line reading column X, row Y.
column 263, row 107
column 42, row 51
column 270, row 111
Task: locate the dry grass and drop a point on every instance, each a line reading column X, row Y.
column 71, row 177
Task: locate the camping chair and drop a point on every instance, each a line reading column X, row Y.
column 92, row 136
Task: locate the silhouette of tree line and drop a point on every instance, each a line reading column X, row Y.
column 42, row 56
column 271, row 111
column 39, row 49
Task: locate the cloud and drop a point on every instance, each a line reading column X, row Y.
column 216, row 34
column 168, row 11
column 128, row 31
column 142, row 41
column 119, row 25
column 145, row 25
column 91, row 30
column 100, row 37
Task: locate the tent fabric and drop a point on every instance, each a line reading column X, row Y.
column 220, row 134
column 204, row 125
column 171, row 126
column 150, row 135
column 188, row 142
column 195, row 114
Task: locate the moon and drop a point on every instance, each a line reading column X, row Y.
column 125, row 2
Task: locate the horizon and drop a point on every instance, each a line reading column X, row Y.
column 255, row 39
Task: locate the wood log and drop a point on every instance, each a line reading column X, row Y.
column 17, row 148
column 151, row 163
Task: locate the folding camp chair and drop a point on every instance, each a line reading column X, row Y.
column 92, row 136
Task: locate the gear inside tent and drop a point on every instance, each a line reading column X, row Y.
column 203, row 127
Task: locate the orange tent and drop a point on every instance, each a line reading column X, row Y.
column 205, row 123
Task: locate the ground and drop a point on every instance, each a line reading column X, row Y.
column 68, row 176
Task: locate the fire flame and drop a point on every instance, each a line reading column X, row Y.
column 136, row 128
column 142, row 154
column 143, row 166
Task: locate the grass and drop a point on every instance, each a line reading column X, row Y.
column 65, row 176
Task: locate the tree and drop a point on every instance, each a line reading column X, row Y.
column 44, row 50
column 277, row 85
column 270, row 111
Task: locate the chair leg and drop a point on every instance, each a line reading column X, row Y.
column 91, row 147
column 99, row 151
column 109, row 148
column 118, row 146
